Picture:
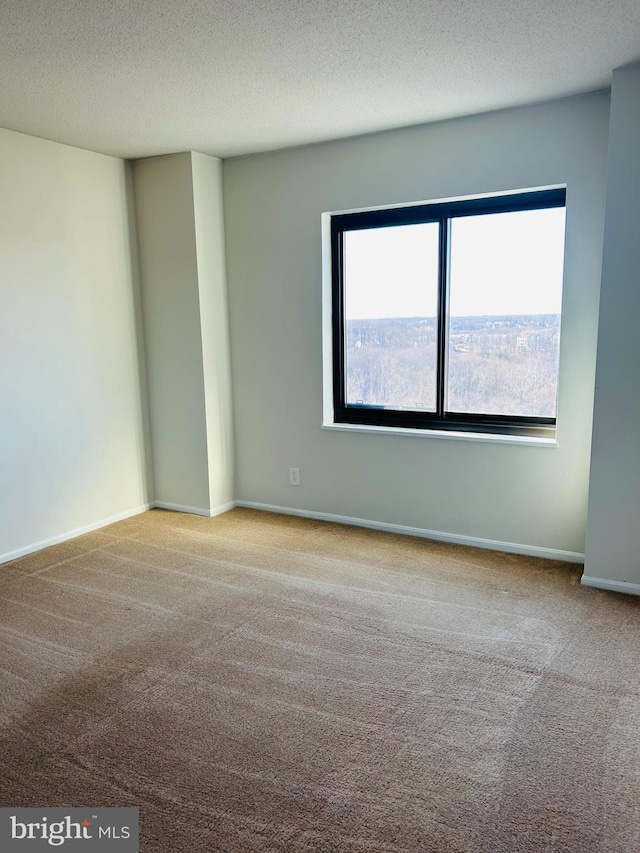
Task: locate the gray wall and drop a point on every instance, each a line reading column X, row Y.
column 169, row 272
column 74, row 439
column 613, row 540
column 529, row 496
column 181, row 246
column 214, row 320
column 72, row 419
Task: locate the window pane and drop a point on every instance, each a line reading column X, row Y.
column 504, row 302
column 391, row 299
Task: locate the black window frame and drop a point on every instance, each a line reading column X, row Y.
column 442, row 213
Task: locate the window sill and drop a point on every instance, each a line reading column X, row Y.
column 492, row 438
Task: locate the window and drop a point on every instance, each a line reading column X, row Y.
column 447, row 316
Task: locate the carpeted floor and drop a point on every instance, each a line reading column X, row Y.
column 262, row 683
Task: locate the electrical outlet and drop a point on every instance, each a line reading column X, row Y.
column 294, row 476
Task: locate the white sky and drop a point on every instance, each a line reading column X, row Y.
column 506, row 263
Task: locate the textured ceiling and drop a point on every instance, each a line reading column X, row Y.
column 228, row 77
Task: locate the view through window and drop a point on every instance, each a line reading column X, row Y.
column 449, row 315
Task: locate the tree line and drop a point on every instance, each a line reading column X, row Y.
column 497, row 364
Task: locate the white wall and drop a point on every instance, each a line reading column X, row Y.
column 72, row 420
column 613, row 540
column 530, row 496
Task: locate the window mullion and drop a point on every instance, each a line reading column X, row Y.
column 443, row 319
column 339, row 331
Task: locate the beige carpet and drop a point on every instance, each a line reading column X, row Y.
column 261, row 683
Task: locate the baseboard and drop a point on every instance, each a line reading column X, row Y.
column 613, row 586
column 473, row 541
column 71, row 534
column 195, row 510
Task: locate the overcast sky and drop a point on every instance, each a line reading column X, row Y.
column 506, row 263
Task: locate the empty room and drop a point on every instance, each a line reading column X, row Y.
column 320, row 426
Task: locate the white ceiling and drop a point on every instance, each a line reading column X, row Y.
column 228, row 77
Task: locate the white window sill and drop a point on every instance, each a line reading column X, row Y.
column 451, row 435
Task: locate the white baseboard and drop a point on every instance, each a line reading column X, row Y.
column 473, row 541
column 71, row 534
column 195, row 510
column 613, row 586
